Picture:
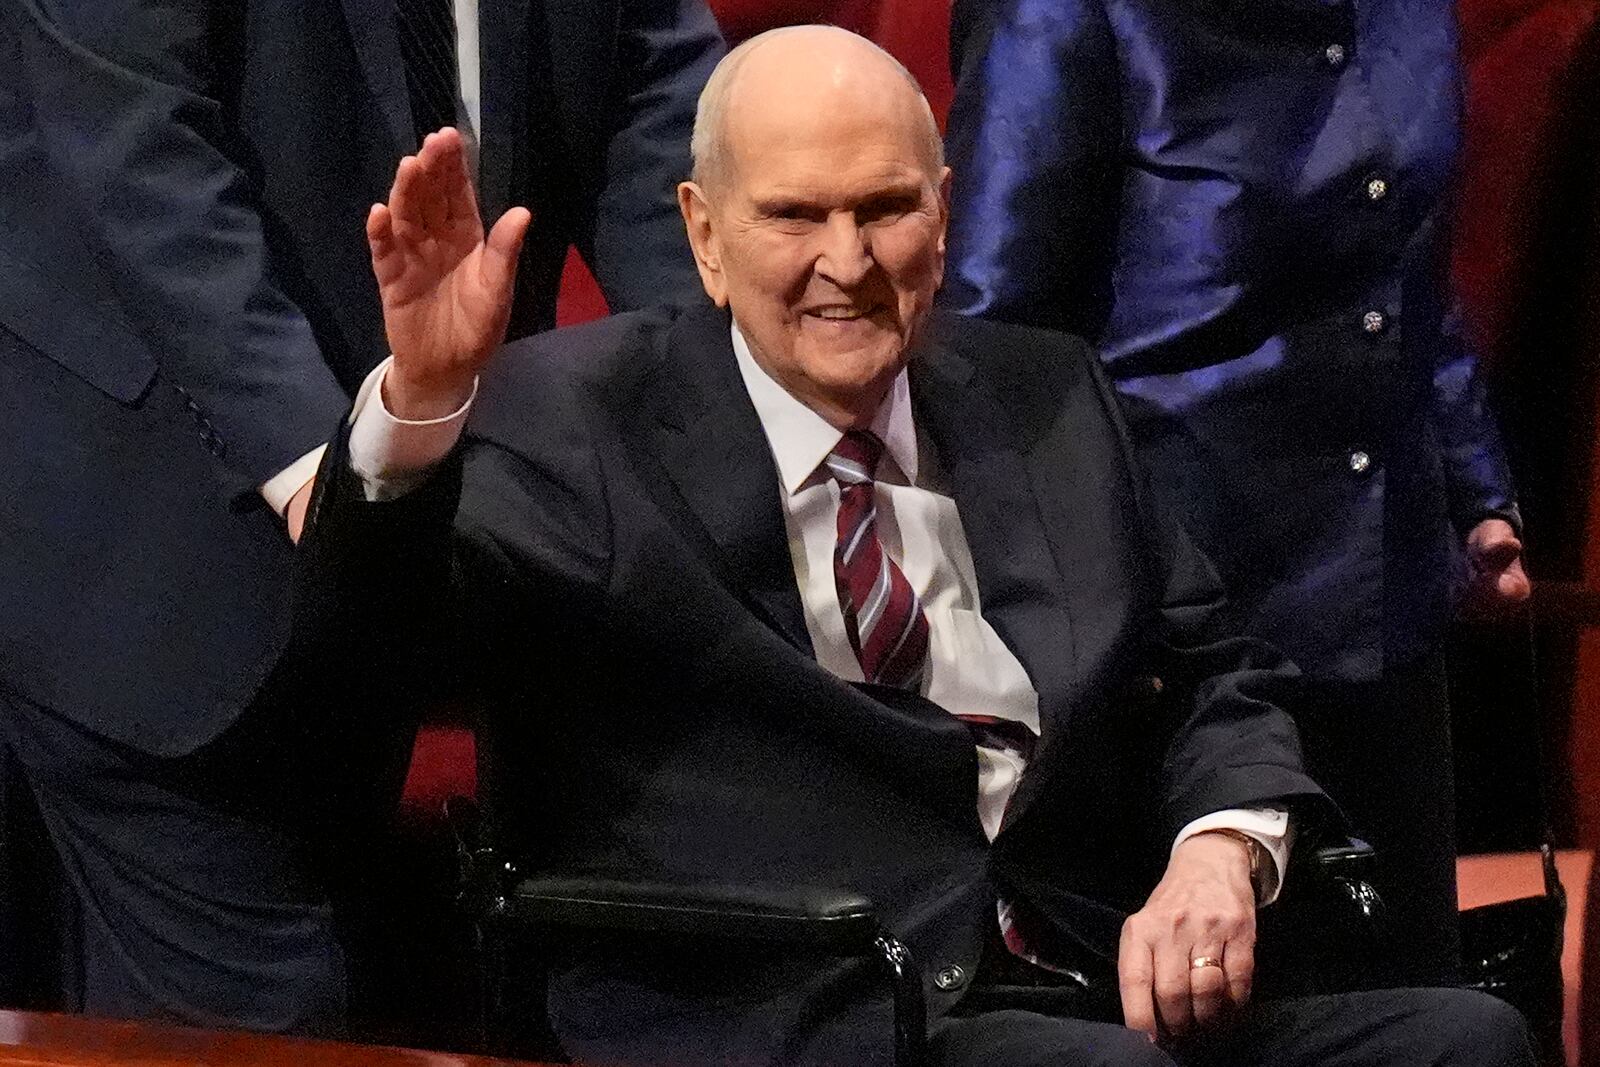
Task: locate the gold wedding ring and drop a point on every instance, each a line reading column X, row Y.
column 1205, row 961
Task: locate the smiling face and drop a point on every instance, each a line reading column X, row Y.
column 824, row 229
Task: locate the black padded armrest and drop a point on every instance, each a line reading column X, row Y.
column 1343, row 872
column 807, row 915
column 1349, row 859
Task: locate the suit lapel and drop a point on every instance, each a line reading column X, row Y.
column 704, row 436
column 988, row 469
column 377, row 45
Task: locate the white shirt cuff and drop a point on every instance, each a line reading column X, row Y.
column 281, row 487
column 1269, row 826
column 393, row 456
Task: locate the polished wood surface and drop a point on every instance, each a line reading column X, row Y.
column 36, row 1040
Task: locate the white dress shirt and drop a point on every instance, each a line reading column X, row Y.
column 970, row 669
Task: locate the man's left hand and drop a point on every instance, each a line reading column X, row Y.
column 1497, row 581
column 1203, row 912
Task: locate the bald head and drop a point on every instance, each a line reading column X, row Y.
column 799, row 73
column 818, row 212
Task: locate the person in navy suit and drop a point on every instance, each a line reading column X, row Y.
column 1246, row 204
column 186, row 301
column 822, row 587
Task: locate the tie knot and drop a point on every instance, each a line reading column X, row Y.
column 854, row 460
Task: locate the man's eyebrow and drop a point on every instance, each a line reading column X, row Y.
column 900, row 189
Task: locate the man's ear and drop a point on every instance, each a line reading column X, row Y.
column 703, row 240
column 944, row 226
column 944, row 207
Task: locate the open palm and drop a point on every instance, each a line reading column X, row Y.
column 446, row 289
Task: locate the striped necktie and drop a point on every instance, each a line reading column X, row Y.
column 888, row 632
column 883, row 617
column 427, row 31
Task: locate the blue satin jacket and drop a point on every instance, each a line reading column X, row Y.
column 1246, row 203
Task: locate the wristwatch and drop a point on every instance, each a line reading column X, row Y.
column 1263, row 872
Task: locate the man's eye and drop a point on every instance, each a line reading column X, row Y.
column 882, row 210
column 794, row 213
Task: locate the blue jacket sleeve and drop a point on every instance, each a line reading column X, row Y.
column 1034, row 144
column 633, row 240
column 120, row 203
column 1477, row 474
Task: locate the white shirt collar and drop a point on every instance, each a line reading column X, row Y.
column 801, row 439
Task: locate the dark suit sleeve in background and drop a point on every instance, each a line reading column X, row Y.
column 1478, row 481
column 634, row 240
column 1034, row 146
column 121, row 206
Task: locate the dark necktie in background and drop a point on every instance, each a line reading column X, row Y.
column 427, row 30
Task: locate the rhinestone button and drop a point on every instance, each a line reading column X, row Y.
column 1374, row 322
column 1377, row 189
column 1334, row 54
column 1359, row 462
column 950, row 977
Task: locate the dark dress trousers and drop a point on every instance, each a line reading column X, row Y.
column 185, row 295
column 617, row 584
column 1246, row 203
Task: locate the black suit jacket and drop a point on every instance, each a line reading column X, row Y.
column 617, row 582
column 185, row 295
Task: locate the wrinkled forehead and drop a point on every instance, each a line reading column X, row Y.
column 833, row 136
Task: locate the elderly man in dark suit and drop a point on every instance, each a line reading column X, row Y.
column 185, row 302
column 816, row 586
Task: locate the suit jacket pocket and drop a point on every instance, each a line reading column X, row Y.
column 77, row 325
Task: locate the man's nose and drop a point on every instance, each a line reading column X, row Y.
column 844, row 256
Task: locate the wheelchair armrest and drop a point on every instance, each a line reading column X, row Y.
column 1327, row 934
column 831, row 920
column 1344, row 871
column 799, row 915
column 1349, row 858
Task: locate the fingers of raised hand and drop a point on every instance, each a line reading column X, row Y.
column 460, row 201
column 386, row 259
column 432, row 198
column 500, row 251
column 405, row 202
column 439, row 158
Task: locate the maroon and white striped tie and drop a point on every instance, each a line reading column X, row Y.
column 888, row 630
column 882, row 615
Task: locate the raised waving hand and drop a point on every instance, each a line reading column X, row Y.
column 446, row 288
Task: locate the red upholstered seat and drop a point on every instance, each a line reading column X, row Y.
column 444, row 764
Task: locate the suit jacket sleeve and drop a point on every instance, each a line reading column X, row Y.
column 130, row 211
column 1034, row 146
column 1230, row 741
column 454, row 585
column 1232, row 744
column 1477, row 474
column 633, row 239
